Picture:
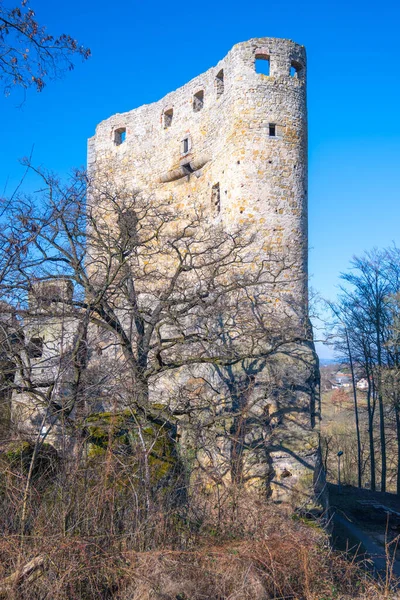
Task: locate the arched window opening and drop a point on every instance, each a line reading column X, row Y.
column 198, row 101
column 168, row 115
column 119, row 136
column 219, row 83
column 262, row 64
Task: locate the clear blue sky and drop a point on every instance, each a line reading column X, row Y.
column 142, row 50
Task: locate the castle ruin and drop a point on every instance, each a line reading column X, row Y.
column 234, row 140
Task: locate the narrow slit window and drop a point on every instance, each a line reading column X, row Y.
column 119, row 136
column 185, row 145
column 262, row 64
column 216, row 199
column 198, row 101
column 168, row 115
column 272, row 130
column 219, row 83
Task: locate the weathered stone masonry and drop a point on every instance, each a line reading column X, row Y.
column 243, row 134
column 235, row 140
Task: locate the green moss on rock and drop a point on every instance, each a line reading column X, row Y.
column 123, row 433
column 18, row 456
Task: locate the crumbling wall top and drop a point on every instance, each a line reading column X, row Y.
column 233, row 70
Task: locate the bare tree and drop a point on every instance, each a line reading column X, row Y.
column 391, row 391
column 158, row 293
column 343, row 313
column 366, row 309
column 29, row 55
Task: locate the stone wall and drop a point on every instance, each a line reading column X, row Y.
column 229, row 161
column 46, row 341
column 234, row 141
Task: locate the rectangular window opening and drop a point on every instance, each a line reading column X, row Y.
column 168, row 115
column 272, row 130
column 35, row 347
column 119, row 136
column 185, row 145
column 295, row 69
column 219, row 83
column 262, row 64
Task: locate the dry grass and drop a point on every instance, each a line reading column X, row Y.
column 95, row 537
column 262, row 554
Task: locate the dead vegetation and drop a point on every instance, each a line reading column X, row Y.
column 105, row 493
column 90, row 535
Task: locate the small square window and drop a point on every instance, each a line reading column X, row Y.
column 295, row 69
column 262, row 64
column 119, row 136
column 272, row 130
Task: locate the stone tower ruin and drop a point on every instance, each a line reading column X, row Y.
column 235, row 140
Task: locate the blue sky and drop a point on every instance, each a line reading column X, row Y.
column 142, row 50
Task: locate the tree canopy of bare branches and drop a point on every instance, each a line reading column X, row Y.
column 29, row 55
column 172, row 306
column 366, row 330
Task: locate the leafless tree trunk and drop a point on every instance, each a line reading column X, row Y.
column 355, row 409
